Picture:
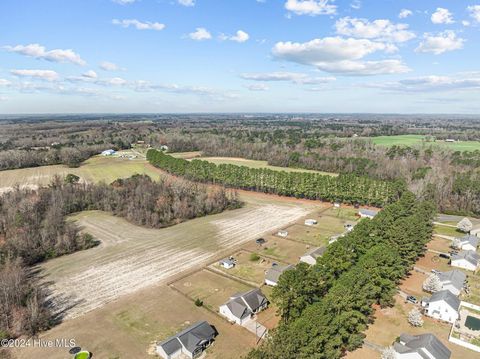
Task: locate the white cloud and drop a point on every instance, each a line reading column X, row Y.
column 258, row 87
column 47, row 75
column 442, row 16
column 240, row 36
column 124, row 2
column 294, row 77
column 90, row 74
column 356, row 4
column 380, row 29
column 200, row 34
column 466, row 23
column 139, row 25
column 339, row 55
column 40, row 52
column 110, row 66
column 116, row 81
column 311, row 7
column 474, row 11
column 4, row 82
column 187, row 2
column 404, row 13
column 4, row 98
column 440, row 43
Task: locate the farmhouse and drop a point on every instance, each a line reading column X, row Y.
column 108, row 152
column 227, row 263
column 420, row 347
column 310, row 222
column 242, row 306
column 311, row 256
column 468, row 242
column 367, row 213
column 465, row 259
column 442, row 305
column 190, row 342
column 273, row 274
column 453, row 280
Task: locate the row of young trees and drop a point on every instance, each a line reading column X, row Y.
column 33, row 228
column 344, row 188
column 325, row 308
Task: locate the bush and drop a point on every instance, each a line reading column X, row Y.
column 254, row 257
column 198, row 302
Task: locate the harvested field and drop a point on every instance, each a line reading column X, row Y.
column 132, row 257
column 212, row 288
column 132, row 324
column 245, row 269
column 279, row 248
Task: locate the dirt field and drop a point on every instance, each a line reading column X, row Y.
column 245, row 269
column 440, row 244
column 412, row 285
column 363, row 353
column 126, row 329
column 212, row 288
column 279, row 248
column 132, row 257
column 433, row 261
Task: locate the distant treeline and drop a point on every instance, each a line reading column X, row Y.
column 33, row 228
column 326, row 308
column 344, row 188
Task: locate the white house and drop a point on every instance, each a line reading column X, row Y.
column 421, row 346
column 311, row 256
column 367, row 213
column 336, row 205
column 453, row 280
column 227, row 263
column 242, row 306
column 442, row 305
column 449, row 140
column 164, row 148
column 189, row 343
column 273, row 274
column 468, row 242
column 465, row 259
column 108, row 152
column 310, row 222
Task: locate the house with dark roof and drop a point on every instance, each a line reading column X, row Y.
column 242, row 306
column 442, row 305
column 468, row 242
column 273, row 274
column 453, row 280
column 311, row 256
column 423, row 346
column 465, row 259
column 190, row 342
column 367, row 213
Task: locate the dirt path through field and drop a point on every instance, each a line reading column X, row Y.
column 132, row 257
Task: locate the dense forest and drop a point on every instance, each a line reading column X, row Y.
column 326, row 308
column 344, row 188
column 33, row 228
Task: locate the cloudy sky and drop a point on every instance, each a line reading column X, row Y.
column 384, row 56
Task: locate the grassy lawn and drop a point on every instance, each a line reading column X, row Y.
column 257, row 164
column 411, row 140
column 248, row 270
column 186, row 155
column 345, row 213
column 308, row 235
column 474, row 282
column 279, row 248
column 447, row 231
column 440, row 244
column 213, row 289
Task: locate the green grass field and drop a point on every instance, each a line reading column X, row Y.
column 411, row 140
column 257, row 164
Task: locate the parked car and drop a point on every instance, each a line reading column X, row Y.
column 444, row 255
column 260, row 241
column 412, row 299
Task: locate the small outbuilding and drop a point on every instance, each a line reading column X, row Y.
column 227, row 263
column 310, row 222
column 367, row 213
column 283, row 234
column 109, row 152
column 273, row 274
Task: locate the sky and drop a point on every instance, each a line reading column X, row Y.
column 186, row 56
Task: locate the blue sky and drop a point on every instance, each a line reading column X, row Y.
column 383, row 56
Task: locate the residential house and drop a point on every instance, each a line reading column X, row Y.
column 367, row 213
column 423, row 346
column 469, row 242
column 442, row 305
column 453, row 280
column 190, row 342
column 465, row 259
column 227, row 263
column 273, row 274
column 311, row 256
column 242, row 306
column 310, row 222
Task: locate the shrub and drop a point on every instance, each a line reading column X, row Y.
column 254, row 257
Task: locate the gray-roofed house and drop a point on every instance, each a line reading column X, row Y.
column 423, row 346
column 190, row 342
column 469, row 242
column 367, row 213
column 465, row 259
column 273, row 274
column 227, row 263
column 453, row 280
column 242, row 306
column 442, row 305
column 311, row 256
